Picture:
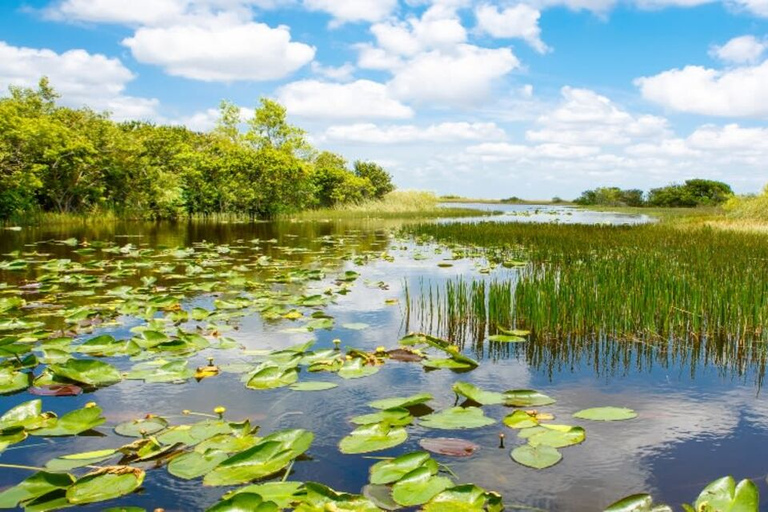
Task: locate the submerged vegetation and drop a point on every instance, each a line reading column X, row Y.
column 55, row 159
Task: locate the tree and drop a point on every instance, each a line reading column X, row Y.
column 694, row 192
column 335, row 184
column 228, row 124
column 380, row 179
column 269, row 128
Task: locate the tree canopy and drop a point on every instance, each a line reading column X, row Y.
column 694, row 192
column 59, row 159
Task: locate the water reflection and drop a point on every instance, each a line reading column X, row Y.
column 700, row 413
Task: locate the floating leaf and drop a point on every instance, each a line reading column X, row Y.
column 244, row 502
column 456, row 418
column 313, row 386
column 526, row 398
column 56, row 390
column 78, row 460
column 12, row 381
column 725, row 495
column 637, row 503
column 478, row 395
column 73, row 423
column 381, row 496
column 395, row 417
column 285, row 494
column 606, row 414
column 87, row 371
column 270, row 376
column 372, row 438
column 391, row 470
column 506, row 338
column 465, row 498
column 28, row 415
column 536, row 457
column 105, row 484
column 558, row 436
column 39, row 484
column 320, row 498
column 193, row 464
column 520, row 419
column 357, row 369
column 401, row 401
column 139, row 428
column 418, row 487
column 449, row 446
column 446, row 364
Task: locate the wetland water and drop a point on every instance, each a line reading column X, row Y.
column 697, row 419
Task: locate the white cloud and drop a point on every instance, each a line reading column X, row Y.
column 730, row 137
column 353, row 10
column 519, row 21
column 362, row 99
column 741, row 50
column 221, row 50
column 404, row 134
column 661, row 4
column 757, row 7
column 80, row 77
column 343, row 73
column 738, row 92
column 438, row 28
column 464, row 76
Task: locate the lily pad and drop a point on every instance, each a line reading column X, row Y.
column 465, row 498
column 73, row 423
column 320, row 498
column 526, row 398
column 56, row 390
column 313, row 386
column 418, row 487
column 456, row 418
column 391, row 470
column 285, row 494
column 87, row 371
column 476, row 394
column 606, row 414
column 39, row 484
column 396, row 417
column 725, row 495
column 558, row 436
column 637, row 503
column 105, row 484
column 401, row 401
column 372, row 438
column 244, row 502
column 78, row 460
column 449, row 446
column 271, row 376
column 506, row 338
column 357, row 369
column 520, row 419
column 141, row 427
column 12, row 381
column 193, row 464
column 536, row 457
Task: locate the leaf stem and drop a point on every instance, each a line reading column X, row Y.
column 19, row 466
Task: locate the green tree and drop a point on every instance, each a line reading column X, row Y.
column 269, row 128
column 335, row 184
column 380, row 179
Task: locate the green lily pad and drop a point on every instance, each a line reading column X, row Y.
column 526, row 398
column 105, row 484
column 12, row 381
column 285, row 494
column 465, row 498
column 506, row 338
column 725, row 495
column 372, row 438
column 73, row 423
column 87, row 371
column 194, row 464
column 78, row 460
column 313, row 386
column 391, row 470
column 445, row 364
column 271, row 376
column 28, row 415
column 244, row 502
column 558, row 436
column 39, row 484
column 381, row 496
column 161, row 371
column 520, row 419
column 357, row 369
column 606, row 414
column 320, row 498
column 456, row 418
column 396, row 417
column 637, row 503
column 536, row 457
column 418, row 487
column 141, row 427
column 401, row 401
column 478, row 395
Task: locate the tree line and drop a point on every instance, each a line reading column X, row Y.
column 73, row 161
column 692, row 193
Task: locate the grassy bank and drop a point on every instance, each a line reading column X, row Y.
column 400, row 204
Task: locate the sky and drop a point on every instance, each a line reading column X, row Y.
column 488, row 98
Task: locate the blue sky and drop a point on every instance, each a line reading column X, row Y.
column 489, row 98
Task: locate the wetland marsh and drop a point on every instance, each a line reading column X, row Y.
column 303, row 328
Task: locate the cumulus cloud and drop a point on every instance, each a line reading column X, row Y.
column 757, row 7
column 740, row 50
column 362, row 99
column 352, row 11
column 519, row 21
column 80, row 77
column 464, row 76
column 341, row 73
column 737, row 92
column 221, row 50
column 370, row 133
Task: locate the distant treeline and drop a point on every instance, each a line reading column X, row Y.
column 64, row 160
column 692, row 193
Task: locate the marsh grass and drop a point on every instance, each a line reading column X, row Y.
column 683, row 293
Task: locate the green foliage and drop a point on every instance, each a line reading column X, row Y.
column 610, row 196
column 77, row 161
column 692, row 193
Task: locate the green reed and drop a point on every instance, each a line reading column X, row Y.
column 656, row 285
